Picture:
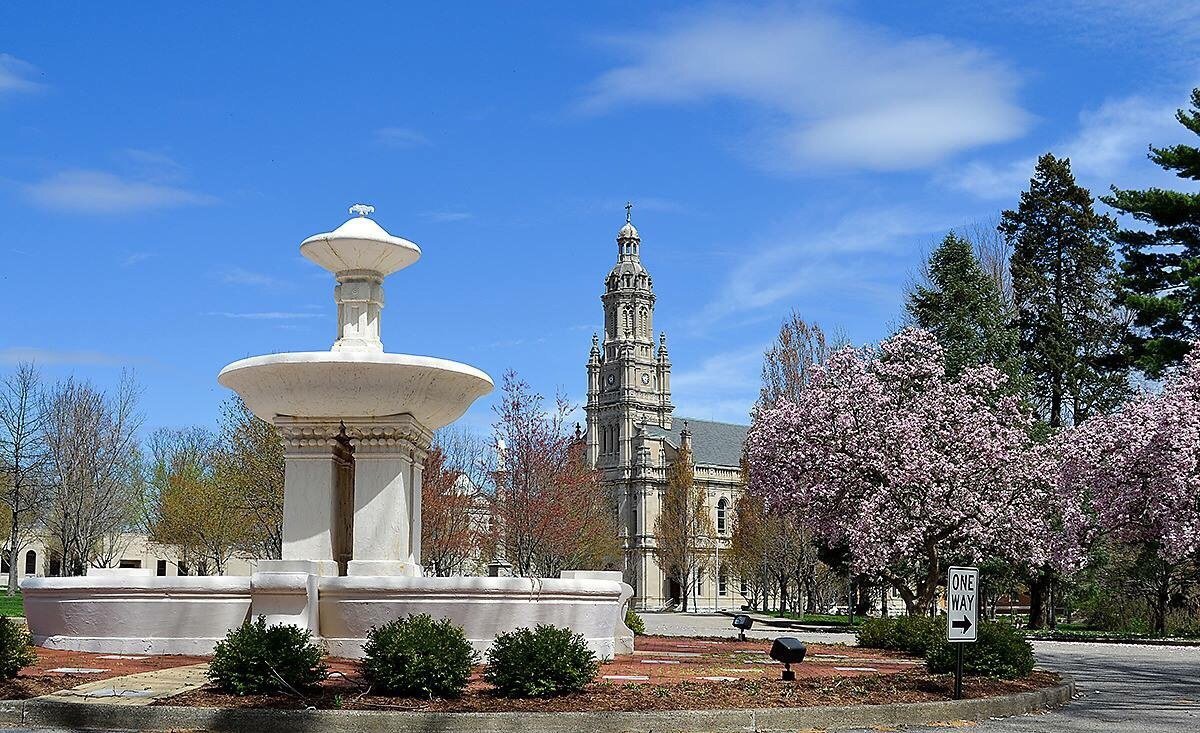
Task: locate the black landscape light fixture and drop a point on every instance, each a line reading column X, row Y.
column 788, row 650
column 742, row 623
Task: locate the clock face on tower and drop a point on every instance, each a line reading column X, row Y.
column 611, row 378
column 645, row 378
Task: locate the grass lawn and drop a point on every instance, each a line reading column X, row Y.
column 816, row 618
column 11, row 605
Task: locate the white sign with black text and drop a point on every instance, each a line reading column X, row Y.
column 962, row 604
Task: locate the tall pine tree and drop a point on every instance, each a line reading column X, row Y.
column 1160, row 271
column 1062, row 280
column 962, row 307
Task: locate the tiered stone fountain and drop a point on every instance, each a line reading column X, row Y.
column 356, row 423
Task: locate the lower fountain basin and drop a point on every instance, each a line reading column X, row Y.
column 320, row 384
column 112, row 614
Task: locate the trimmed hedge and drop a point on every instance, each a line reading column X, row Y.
column 912, row 634
column 15, row 651
column 1001, row 651
column 417, row 656
column 635, row 622
column 545, row 661
column 259, row 659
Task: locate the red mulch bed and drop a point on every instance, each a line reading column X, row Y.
column 867, row 676
column 37, row 679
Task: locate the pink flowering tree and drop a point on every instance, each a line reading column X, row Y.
column 1137, row 471
column 909, row 470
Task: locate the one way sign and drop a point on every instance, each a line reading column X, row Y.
column 962, row 610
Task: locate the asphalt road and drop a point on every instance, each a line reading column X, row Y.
column 1122, row 688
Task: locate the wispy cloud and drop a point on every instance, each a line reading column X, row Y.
column 241, row 276
column 400, row 137
column 855, row 258
column 16, row 75
column 447, row 216
column 844, row 93
column 723, row 386
column 136, row 258
column 100, row 192
column 1160, row 27
column 265, row 315
column 59, row 357
column 1109, row 146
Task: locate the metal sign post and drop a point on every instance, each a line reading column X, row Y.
column 962, row 615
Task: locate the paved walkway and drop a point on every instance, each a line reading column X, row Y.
column 135, row 689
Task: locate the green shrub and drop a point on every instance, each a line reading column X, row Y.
column 539, row 663
column 259, row 659
column 417, row 656
column 1001, row 651
column 635, row 622
column 912, row 634
column 15, row 652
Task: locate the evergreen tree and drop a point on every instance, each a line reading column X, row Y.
column 1062, row 280
column 1160, row 272
column 962, row 307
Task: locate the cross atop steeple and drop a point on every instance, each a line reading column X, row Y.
column 628, row 212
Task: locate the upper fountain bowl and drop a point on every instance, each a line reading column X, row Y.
column 334, row 385
column 360, row 244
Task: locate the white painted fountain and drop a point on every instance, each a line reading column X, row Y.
column 356, row 423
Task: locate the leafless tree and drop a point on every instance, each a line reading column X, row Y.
column 455, row 509
column 788, row 363
column 22, row 459
column 92, row 468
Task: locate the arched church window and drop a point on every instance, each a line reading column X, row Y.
column 644, row 322
column 31, row 563
column 722, row 513
column 629, row 320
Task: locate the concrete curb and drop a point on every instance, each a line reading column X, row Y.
column 167, row 718
column 793, row 625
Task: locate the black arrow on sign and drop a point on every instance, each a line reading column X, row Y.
column 965, row 624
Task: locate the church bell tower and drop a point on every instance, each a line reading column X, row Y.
column 629, row 382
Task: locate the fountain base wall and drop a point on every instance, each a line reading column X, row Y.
column 189, row 615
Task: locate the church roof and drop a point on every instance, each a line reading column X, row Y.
column 713, row 443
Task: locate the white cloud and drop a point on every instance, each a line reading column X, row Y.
column 100, row 192
column 723, row 387
column 265, row 316
column 841, row 93
column 15, row 75
column 136, row 258
column 58, row 357
column 442, row 217
column 1108, row 147
column 240, row 276
column 400, row 137
column 854, row 259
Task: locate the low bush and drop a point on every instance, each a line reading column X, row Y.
column 635, row 622
column 259, row 659
column 15, row 651
column 418, row 656
column 912, row 634
column 545, row 661
column 1001, row 651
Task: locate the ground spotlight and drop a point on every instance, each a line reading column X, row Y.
column 790, row 651
column 742, row 623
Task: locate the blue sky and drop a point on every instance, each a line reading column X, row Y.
column 160, row 166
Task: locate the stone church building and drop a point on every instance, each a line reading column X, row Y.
column 633, row 437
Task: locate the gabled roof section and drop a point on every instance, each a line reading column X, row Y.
column 713, row 443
